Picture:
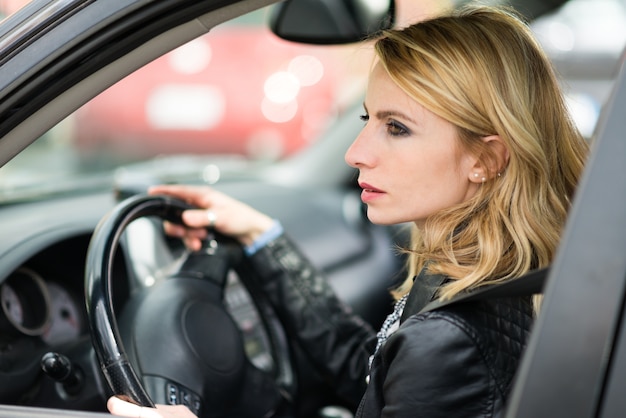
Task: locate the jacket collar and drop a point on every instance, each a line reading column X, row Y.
column 424, row 291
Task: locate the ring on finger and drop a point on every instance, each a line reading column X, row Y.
column 212, row 218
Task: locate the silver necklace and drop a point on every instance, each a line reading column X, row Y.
column 389, row 325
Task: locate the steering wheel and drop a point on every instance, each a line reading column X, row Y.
column 182, row 345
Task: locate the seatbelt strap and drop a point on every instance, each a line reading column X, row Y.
column 526, row 285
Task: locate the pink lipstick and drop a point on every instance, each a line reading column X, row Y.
column 369, row 192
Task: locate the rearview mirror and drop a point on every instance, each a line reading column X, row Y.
column 331, row 21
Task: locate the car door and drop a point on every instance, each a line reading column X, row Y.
column 575, row 363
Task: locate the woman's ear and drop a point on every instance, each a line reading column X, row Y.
column 493, row 162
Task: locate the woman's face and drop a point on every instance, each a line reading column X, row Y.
column 410, row 164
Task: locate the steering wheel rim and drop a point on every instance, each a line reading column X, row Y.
column 117, row 370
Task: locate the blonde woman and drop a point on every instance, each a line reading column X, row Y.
column 466, row 136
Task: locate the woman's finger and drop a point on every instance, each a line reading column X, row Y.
column 199, row 218
column 194, row 195
column 117, row 406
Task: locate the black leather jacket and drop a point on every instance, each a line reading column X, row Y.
column 458, row 361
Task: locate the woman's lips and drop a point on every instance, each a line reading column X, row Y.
column 369, row 192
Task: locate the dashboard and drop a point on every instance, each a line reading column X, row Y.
column 42, row 268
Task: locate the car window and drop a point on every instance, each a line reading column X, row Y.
column 585, row 40
column 206, row 98
column 275, row 100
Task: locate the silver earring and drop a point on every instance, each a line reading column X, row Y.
column 476, row 175
column 483, row 179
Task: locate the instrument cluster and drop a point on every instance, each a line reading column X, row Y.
column 33, row 306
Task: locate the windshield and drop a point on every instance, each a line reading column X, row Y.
column 206, row 99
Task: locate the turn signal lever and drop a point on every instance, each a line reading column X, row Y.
column 60, row 368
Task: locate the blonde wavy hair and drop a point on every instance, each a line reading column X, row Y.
column 481, row 69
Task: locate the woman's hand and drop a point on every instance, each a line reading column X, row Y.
column 117, row 406
column 220, row 211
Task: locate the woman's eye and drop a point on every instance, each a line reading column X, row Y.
column 365, row 117
column 396, row 129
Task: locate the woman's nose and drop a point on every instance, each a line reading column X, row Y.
column 358, row 154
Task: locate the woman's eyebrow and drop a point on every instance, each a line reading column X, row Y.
column 383, row 114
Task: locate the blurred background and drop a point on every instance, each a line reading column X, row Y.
column 207, row 98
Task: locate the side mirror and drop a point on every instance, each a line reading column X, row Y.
column 331, row 21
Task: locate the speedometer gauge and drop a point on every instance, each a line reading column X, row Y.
column 11, row 304
column 66, row 319
column 25, row 303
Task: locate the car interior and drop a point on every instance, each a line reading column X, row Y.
column 91, row 287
